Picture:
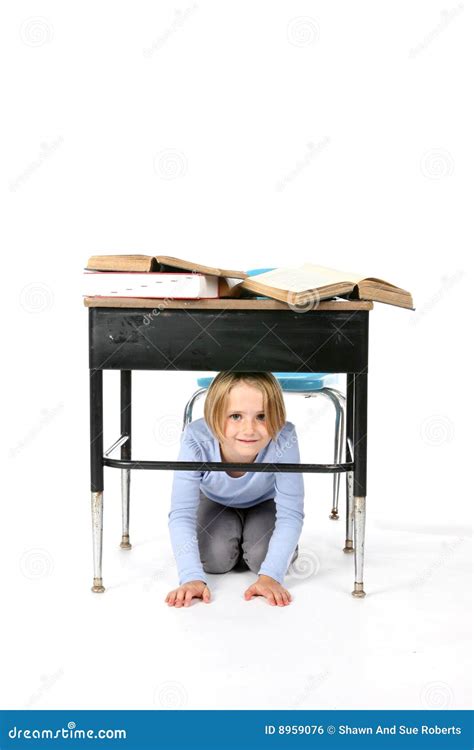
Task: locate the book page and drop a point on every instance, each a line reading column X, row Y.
column 307, row 276
column 152, row 285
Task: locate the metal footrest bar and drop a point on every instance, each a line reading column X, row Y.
column 121, row 440
column 117, row 463
column 351, row 449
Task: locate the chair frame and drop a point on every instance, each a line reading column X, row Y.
column 339, row 402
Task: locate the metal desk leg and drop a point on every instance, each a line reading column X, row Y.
column 97, row 475
column 360, row 477
column 349, row 546
column 126, row 451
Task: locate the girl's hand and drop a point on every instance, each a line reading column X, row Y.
column 273, row 591
column 183, row 595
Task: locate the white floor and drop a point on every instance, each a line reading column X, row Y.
column 406, row 645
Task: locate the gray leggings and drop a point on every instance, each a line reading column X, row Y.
column 228, row 536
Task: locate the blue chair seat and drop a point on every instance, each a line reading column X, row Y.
column 299, row 382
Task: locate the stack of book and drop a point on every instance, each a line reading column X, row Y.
column 161, row 276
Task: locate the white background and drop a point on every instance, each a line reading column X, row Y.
column 241, row 135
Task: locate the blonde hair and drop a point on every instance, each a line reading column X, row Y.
column 218, row 393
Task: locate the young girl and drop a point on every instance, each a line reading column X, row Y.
column 221, row 518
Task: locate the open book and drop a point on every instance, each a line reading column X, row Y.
column 298, row 285
column 144, row 263
column 293, row 285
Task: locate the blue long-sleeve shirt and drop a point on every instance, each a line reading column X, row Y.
column 198, row 443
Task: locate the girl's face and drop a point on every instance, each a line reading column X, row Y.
column 244, row 423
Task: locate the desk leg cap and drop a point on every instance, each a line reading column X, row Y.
column 349, row 546
column 334, row 515
column 358, row 592
column 125, row 543
column 98, row 588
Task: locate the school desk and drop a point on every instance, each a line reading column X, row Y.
column 243, row 335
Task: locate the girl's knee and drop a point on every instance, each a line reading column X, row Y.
column 218, row 557
column 254, row 555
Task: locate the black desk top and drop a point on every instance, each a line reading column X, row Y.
column 227, row 334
